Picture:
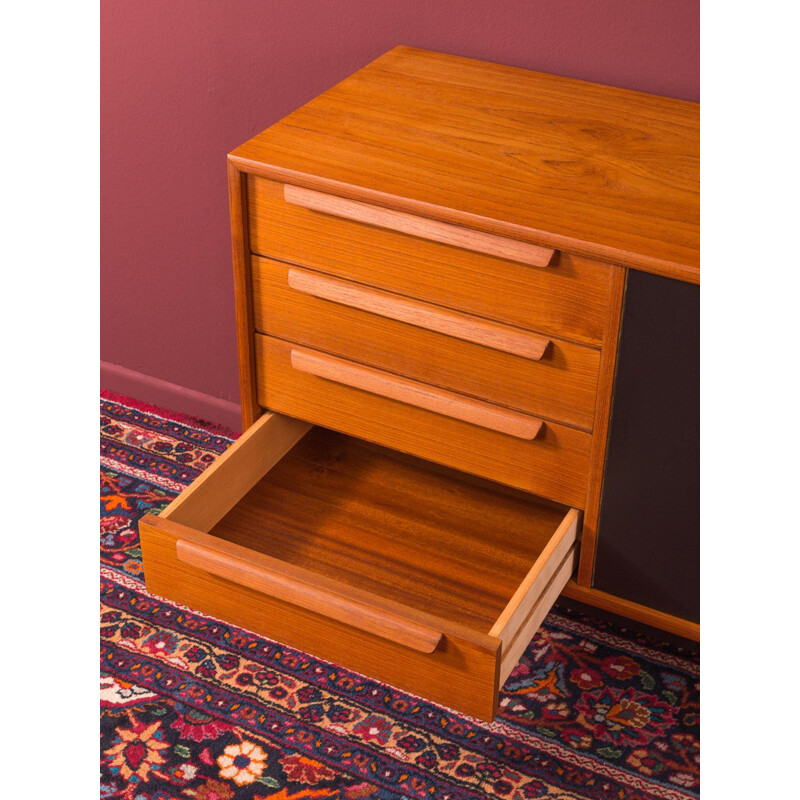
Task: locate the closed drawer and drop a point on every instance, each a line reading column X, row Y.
column 400, row 569
column 516, row 449
column 548, row 377
column 567, row 299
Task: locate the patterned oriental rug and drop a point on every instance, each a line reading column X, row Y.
column 195, row 708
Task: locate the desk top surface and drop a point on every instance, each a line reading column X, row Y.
column 604, row 172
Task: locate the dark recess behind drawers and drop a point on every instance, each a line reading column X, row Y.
column 649, row 545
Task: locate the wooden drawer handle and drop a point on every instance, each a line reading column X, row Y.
column 414, row 393
column 489, row 243
column 422, row 315
column 313, row 598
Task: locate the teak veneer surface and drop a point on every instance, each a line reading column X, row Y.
column 394, row 525
column 554, row 465
column 561, row 385
column 567, row 299
column 591, row 169
column 242, row 287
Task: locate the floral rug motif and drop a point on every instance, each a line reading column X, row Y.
column 192, row 707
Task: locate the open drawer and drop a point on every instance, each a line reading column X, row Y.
column 406, row 571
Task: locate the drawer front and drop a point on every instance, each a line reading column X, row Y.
column 567, row 299
column 460, row 673
column 561, row 385
column 548, row 459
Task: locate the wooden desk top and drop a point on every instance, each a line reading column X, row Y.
column 578, row 166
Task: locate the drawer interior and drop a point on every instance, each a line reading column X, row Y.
column 393, row 525
column 415, row 553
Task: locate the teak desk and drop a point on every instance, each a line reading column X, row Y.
column 467, row 314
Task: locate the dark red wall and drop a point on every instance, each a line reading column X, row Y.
column 185, row 81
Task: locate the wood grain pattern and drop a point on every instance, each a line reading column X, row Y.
column 512, row 652
column 567, row 300
column 554, row 465
column 561, row 386
column 627, row 608
column 605, row 172
column 242, row 292
column 442, row 232
column 460, row 673
column 605, row 391
column 233, row 474
column 396, row 526
column 423, row 315
column 414, row 393
column 379, row 561
column 228, row 541
column 307, row 595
